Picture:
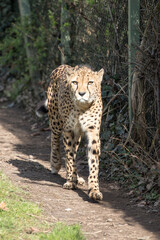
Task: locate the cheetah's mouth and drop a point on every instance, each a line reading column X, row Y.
column 83, row 103
column 82, row 100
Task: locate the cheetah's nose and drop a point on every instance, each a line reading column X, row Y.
column 82, row 93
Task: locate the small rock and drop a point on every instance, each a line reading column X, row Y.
column 109, row 220
column 68, row 209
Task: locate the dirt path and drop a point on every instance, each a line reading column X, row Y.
column 24, row 159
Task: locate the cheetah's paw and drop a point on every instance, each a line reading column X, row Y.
column 69, row 185
column 95, row 194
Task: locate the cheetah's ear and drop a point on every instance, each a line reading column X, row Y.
column 100, row 74
column 69, row 71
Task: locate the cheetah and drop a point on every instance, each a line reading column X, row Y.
column 74, row 109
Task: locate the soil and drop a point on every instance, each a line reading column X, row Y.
column 24, row 157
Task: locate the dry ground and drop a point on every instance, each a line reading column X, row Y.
column 24, row 158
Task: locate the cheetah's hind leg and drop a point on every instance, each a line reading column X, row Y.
column 55, row 158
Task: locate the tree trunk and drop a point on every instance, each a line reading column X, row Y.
column 65, row 35
column 139, row 88
column 25, row 12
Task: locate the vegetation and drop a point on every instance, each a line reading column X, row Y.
column 20, row 219
column 93, row 32
column 64, row 232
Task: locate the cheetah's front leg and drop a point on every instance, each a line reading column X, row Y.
column 93, row 161
column 71, row 143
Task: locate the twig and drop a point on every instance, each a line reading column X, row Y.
column 114, row 97
column 145, row 152
column 93, row 233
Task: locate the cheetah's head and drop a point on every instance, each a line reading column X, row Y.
column 85, row 85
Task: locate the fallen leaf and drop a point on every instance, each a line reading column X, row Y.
column 32, row 230
column 3, row 206
column 149, row 186
column 157, row 203
column 34, row 126
column 141, row 204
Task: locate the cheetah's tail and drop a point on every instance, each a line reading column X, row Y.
column 42, row 108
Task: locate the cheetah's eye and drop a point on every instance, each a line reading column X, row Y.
column 75, row 82
column 90, row 82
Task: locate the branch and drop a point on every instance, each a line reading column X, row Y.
column 114, row 97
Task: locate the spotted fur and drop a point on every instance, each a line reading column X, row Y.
column 74, row 108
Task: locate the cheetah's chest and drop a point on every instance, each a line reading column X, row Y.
column 72, row 122
column 79, row 123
